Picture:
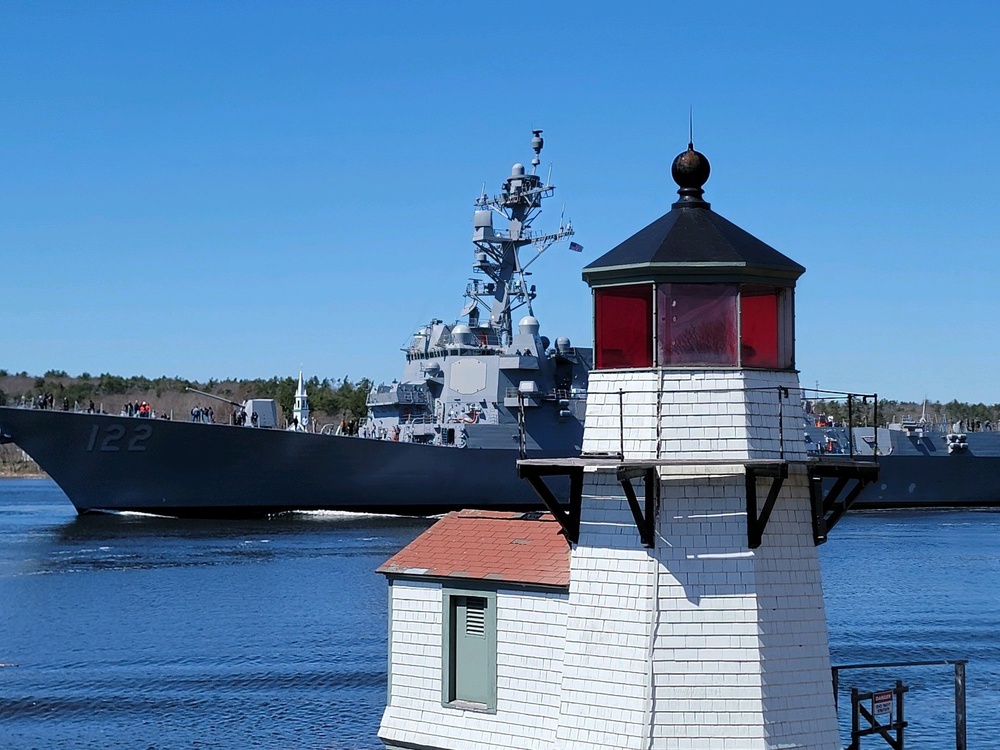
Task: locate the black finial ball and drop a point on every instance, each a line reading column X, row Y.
column 690, row 169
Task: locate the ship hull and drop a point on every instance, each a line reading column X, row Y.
column 113, row 463
column 967, row 481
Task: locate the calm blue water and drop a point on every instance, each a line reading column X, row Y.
column 157, row 633
column 914, row 586
column 152, row 633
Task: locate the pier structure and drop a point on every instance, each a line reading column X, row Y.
column 689, row 612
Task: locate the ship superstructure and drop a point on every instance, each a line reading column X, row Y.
column 479, row 382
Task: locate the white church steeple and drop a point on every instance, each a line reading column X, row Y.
column 301, row 411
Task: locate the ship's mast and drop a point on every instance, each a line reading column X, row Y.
column 497, row 251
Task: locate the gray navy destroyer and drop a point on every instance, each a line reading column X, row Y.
column 475, row 395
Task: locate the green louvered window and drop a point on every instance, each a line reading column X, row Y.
column 469, row 650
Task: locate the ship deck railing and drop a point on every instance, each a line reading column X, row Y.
column 558, row 394
column 454, row 348
column 77, row 408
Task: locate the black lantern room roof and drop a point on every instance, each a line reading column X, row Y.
column 692, row 243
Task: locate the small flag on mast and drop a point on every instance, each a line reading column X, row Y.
column 576, row 248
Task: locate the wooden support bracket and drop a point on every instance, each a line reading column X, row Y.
column 756, row 523
column 827, row 506
column 568, row 514
column 645, row 517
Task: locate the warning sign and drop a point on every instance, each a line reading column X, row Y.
column 882, row 703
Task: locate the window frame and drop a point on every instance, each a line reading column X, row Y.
column 669, row 354
column 449, row 664
column 785, row 326
column 649, row 298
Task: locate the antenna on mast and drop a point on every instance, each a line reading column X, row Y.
column 536, row 145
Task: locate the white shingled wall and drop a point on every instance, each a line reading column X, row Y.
column 531, row 627
column 741, row 656
column 696, row 414
column 606, row 679
column 734, row 653
column 697, row 644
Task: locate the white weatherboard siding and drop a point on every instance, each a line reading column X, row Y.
column 531, row 627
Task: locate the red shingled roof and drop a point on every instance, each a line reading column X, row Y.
column 488, row 545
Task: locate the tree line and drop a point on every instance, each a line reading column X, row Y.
column 336, row 398
column 346, row 398
column 862, row 412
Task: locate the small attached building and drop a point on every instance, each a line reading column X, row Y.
column 478, row 606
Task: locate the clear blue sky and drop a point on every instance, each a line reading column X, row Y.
column 240, row 189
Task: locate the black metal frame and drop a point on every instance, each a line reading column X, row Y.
column 567, row 515
column 960, row 709
column 827, row 509
column 897, row 722
column 757, row 523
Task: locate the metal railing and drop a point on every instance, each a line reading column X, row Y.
column 785, row 401
column 553, row 395
column 78, row 408
column 856, row 405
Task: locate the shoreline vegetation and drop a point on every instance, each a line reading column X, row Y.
column 22, row 470
column 330, row 400
column 16, row 464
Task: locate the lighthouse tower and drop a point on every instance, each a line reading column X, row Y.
column 671, row 599
column 301, row 409
column 695, row 610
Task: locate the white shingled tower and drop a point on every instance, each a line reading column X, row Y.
column 678, row 604
column 696, row 615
